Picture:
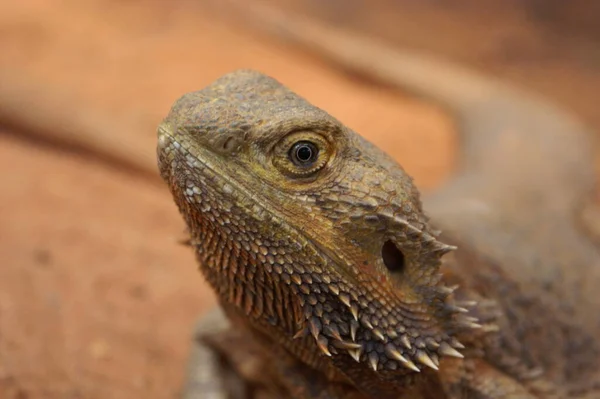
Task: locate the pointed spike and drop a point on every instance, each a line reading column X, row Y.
column 491, row 328
column 423, row 358
column 333, row 332
column 435, row 359
column 373, row 360
column 447, row 350
column 355, row 354
column 474, row 326
column 334, row 289
column 456, row 344
column 443, row 249
column 301, row 333
column 304, row 288
column 392, row 334
column 456, row 309
column 431, row 343
column 446, row 290
column 354, row 311
column 378, row 334
column 302, row 300
column 395, row 353
column 405, row 341
column 322, row 343
column 367, row 323
column 353, row 329
column 296, row 278
column 346, row 345
column 319, row 310
column 308, row 312
column 345, row 298
column 315, row 327
column 410, row 365
column 466, row 304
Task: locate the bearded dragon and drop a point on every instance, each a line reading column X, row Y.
column 335, row 284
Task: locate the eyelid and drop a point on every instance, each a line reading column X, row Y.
column 282, row 150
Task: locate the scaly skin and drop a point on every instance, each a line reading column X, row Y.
column 329, row 271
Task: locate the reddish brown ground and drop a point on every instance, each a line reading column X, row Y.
column 97, row 300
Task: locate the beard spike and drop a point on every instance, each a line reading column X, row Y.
column 400, row 344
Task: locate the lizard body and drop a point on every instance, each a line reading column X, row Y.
column 334, row 282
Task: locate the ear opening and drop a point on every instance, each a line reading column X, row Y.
column 393, row 258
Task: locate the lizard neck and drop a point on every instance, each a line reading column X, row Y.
column 259, row 301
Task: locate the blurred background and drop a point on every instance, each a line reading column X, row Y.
column 97, row 299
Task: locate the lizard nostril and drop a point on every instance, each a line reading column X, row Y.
column 229, row 144
column 393, row 258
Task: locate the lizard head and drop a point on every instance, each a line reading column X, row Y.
column 287, row 205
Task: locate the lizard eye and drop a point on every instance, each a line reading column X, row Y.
column 304, row 153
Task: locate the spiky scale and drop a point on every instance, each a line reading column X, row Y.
column 354, row 311
column 456, row 309
column 394, row 353
column 353, row 329
column 346, row 345
column 323, row 344
column 373, row 360
column 378, row 334
column 304, row 288
column 447, row 350
column 301, row 333
column 456, row 344
column 333, row 332
column 315, row 327
column 345, row 298
column 334, row 289
column 296, row 279
column 490, row 328
column 405, row 341
column 466, row 304
column 355, row 354
column 366, row 323
column 424, row 358
column 447, row 290
column 471, row 325
column 319, row 310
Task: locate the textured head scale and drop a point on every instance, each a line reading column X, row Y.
column 337, row 253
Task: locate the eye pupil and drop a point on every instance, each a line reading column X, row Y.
column 304, row 153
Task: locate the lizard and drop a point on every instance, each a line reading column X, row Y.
column 334, row 282
column 483, row 107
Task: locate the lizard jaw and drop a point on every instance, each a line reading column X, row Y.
column 382, row 340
